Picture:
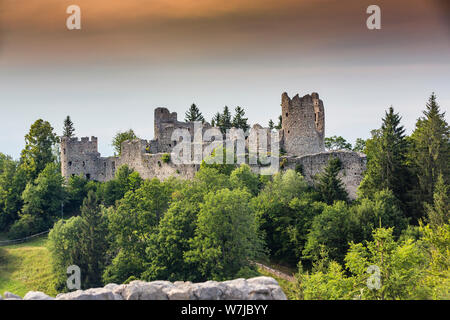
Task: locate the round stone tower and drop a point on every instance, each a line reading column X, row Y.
column 303, row 124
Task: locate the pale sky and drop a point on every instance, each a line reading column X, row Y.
column 133, row 56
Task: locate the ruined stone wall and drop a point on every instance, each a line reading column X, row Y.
column 353, row 167
column 148, row 165
column 303, row 124
column 81, row 157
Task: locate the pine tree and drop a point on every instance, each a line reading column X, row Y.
column 193, row 114
column 330, row 185
column 93, row 241
column 239, row 121
column 386, row 154
column 280, row 123
column 430, row 151
column 271, row 124
column 439, row 213
column 215, row 122
column 68, row 128
column 225, row 122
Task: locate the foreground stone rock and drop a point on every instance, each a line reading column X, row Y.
column 37, row 295
column 260, row 288
column 11, row 296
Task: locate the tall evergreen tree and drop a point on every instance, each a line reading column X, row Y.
column 387, row 155
column 239, row 121
column 68, row 128
column 330, row 185
column 280, row 123
column 193, row 114
column 215, row 122
column 438, row 214
column 225, row 120
column 93, row 241
column 430, row 151
column 271, row 124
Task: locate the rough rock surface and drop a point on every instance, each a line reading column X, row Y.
column 11, row 296
column 260, row 288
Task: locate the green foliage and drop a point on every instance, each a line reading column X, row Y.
column 330, row 185
column 93, row 241
column 77, row 189
column 239, row 121
column 37, row 153
column 337, row 143
column 438, row 213
column 165, row 157
column 271, row 124
column 243, row 177
column 360, row 145
column 168, row 245
column 383, row 210
column 387, row 160
column 12, row 183
column 126, row 179
column 330, row 284
column 27, row 225
column 45, row 195
column 330, row 230
column 80, row 241
column 401, row 266
column 284, row 211
column 436, row 281
column 218, row 161
column 279, row 126
column 132, row 224
column 430, row 153
column 226, row 237
column 193, row 114
column 121, row 137
column 68, row 129
column 63, row 245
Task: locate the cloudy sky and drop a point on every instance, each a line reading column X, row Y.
column 132, row 56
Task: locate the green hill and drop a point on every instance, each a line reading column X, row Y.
column 26, row 267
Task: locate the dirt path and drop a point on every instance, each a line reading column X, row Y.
column 275, row 272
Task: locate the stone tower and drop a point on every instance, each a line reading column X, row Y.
column 81, row 157
column 303, row 124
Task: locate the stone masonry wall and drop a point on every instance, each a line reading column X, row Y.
column 353, row 167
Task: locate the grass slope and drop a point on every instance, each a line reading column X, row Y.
column 286, row 286
column 26, row 267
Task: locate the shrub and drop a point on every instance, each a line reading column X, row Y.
column 165, row 158
column 26, row 226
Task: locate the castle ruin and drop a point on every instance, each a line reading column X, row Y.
column 301, row 140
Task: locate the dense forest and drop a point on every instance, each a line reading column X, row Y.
column 217, row 225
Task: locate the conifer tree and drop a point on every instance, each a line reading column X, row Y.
column 280, row 122
column 438, row 214
column 239, row 121
column 93, row 241
column 225, row 122
column 271, row 124
column 330, row 185
column 430, row 151
column 193, row 114
column 68, row 128
column 386, row 154
column 215, row 122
